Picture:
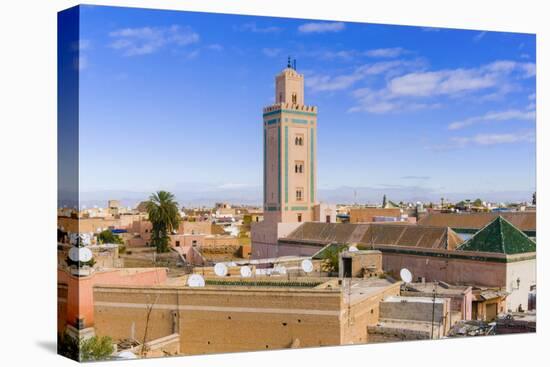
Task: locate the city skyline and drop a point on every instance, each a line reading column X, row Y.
column 470, row 94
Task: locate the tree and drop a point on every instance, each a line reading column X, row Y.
column 164, row 216
column 96, row 348
column 478, row 202
column 93, row 349
column 107, row 236
column 331, row 257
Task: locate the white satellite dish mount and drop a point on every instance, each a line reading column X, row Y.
column 307, row 266
column 195, row 281
column 220, row 269
column 246, row 272
column 406, row 275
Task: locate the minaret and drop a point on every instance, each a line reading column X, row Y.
column 290, row 163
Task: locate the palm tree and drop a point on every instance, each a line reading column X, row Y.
column 164, row 215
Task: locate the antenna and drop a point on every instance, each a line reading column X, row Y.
column 307, row 266
column 220, row 269
column 294, row 64
column 246, row 272
column 195, row 280
column 406, row 275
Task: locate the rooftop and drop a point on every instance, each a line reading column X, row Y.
column 500, row 236
column 525, row 221
column 375, row 234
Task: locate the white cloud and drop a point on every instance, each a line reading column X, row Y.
column 331, row 83
column 193, row 54
column 380, row 101
column 147, row 40
column 404, row 91
column 81, row 62
column 253, row 27
column 494, row 139
column 321, row 27
column 215, row 47
column 271, row 52
column 385, row 52
column 530, row 69
column 342, row 54
column 479, row 36
column 447, row 82
column 84, row 44
column 440, row 82
column 528, row 115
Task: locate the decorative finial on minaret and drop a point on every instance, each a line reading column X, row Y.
column 288, row 63
column 294, row 64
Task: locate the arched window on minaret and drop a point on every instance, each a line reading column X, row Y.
column 281, row 97
column 294, row 98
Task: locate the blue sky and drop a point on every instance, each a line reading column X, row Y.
column 174, row 100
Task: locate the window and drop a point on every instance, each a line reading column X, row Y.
column 294, row 98
column 299, row 167
column 177, row 243
column 328, row 218
column 194, row 244
column 299, row 194
column 299, row 217
column 299, row 140
column 280, row 97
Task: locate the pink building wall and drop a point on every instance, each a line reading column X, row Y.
column 80, row 296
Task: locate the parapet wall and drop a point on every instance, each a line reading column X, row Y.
column 222, row 319
column 290, row 106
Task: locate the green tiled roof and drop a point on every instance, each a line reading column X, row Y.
column 321, row 254
column 499, row 236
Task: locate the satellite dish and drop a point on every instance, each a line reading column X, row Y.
column 82, row 254
column 195, row 280
column 352, row 249
column 246, row 272
column 307, row 266
column 220, row 269
column 406, row 275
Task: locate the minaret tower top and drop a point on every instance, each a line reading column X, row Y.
column 289, row 86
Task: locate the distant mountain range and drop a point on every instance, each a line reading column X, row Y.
column 192, row 195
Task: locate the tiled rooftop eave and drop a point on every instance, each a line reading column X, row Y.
column 294, row 241
column 469, row 255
